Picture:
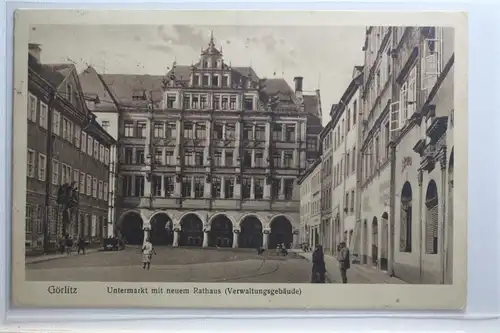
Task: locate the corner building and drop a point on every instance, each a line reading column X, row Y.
column 406, row 212
column 209, row 154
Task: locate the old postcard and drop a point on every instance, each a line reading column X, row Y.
column 240, row 159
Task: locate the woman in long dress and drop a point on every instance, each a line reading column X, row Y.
column 147, row 252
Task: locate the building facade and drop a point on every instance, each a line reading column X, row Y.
column 345, row 136
column 209, row 154
column 310, row 204
column 76, row 153
column 326, row 138
column 406, row 195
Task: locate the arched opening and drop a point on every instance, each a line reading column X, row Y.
column 281, row 232
column 191, row 231
column 449, row 252
column 406, row 225
column 431, row 219
column 221, row 232
column 365, row 243
column 161, row 230
column 250, row 233
column 131, row 228
column 384, row 247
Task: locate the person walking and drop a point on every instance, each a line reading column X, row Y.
column 147, row 252
column 81, row 246
column 318, row 268
column 344, row 261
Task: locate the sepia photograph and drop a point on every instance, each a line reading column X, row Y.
column 207, row 158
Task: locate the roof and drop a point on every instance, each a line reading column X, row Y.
column 52, row 73
column 309, row 170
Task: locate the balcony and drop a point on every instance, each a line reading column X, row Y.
column 428, row 158
column 437, row 128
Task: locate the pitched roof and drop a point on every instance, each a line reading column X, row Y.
column 52, row 73
column 93, row 86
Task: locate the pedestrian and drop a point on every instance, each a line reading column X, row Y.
column 318, row 268
column 344, row 261
column 81, row 246
column 147, row 252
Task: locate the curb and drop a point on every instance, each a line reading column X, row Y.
column 43, row 258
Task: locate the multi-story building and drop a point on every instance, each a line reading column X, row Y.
column 310, row 204
column 108, row 117
column 406, row 208
column 326, row 138
column 345, row 136
column 209, row 154
column 76, row 153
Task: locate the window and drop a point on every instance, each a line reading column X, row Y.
column 169, row 185
column 141, row 129
column 260, row 133
column 105, row 191
column 217, row 131
column 65, row 125
column 129, row 129
column 139, row 156
column 101, row 153
column 216, row 102
column 139, row 186
column 228, row 161
column 100, row 189
column 217, row 158
column 158, row 156
column 354, row 112
column 354, row 159
column 90, row 143
column 170, row 101
column 247, row 159
column 169, row 158
column 258, row 188
column 158, row 130
column 259, row 160
column 30, row 171
column 43, row 115
column 106, row 156
column 232, row 103
column 194, row 102
column 156, row 185
column 56, row 123
column 277, row 160
column 69, row 91
column 55, row 172
column 224, row 103
column 200, row 131
column 387, row 134
column 347, row 163
column 199, row 157
column 186, row 101
column 248, row 103
column 30, row 211
column 348, row 120
column 288, row 159
column 205, row 80
column 84, row 142
column 275, row 188
column 215, row 80
column 228, row 187
column 346, row 207
column 352, row 201
column 225, row 79
column 77, row 136
column 248, row 132
column 199, row 186
column 96, row 149
column 32, row 104
column 186, row 187
column 94, row 187
column 246, row 186
column 105, row 125
column 82, row 183
column 42, row 165
column 89, row 185
column 203, row 102
column 127, row 186
column 188, row 131
column 216, row 187
column 230, row 132
column 171, row 131
column 76, row 174
column 188, row 158
column 290, row 133
column 277, row 134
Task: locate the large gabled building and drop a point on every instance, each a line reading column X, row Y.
column 209, row 154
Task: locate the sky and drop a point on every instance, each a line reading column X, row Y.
column 323, row 56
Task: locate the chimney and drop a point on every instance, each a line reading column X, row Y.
column 35, row 51
column 298, row 83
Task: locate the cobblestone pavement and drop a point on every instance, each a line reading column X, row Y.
column 175, row 265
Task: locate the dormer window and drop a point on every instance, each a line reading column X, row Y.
column 215, row 81
column 139, row 95
column 225, row 80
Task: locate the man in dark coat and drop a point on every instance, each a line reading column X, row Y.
column 344, row 261
column 318, row 268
